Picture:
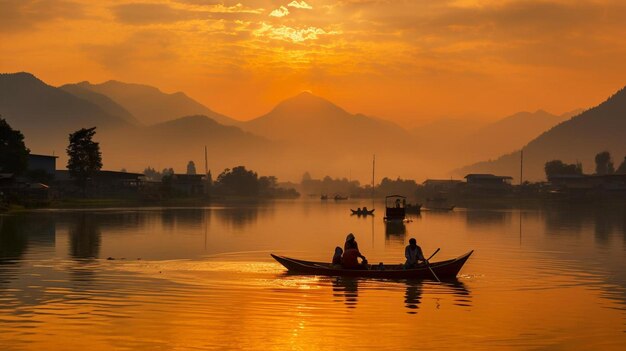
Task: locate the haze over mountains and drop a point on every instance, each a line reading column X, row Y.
column 148, row 104
column 601, row 128
column 140, row 126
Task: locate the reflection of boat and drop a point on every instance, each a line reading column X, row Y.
column 324, row 197
column 395, row 212
column 410, row 208
column 362, row 212
column 438, row 204
column 348, row 288
column 395, row 232
column 444, row 269
column 339, row 197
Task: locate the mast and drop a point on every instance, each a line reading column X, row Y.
column 373, row 173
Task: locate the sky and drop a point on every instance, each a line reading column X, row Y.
column 408, row 61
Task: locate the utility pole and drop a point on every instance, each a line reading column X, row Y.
column 521, row 167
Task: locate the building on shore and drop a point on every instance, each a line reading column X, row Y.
column 587, row 185
column 45, row 164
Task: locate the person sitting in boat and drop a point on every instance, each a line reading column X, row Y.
column 364, row 210
column 351, row 254
column 413, row 254
column 337, row 257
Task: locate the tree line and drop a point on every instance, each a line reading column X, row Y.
column 603, row 166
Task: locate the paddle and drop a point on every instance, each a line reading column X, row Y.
column 428, row 265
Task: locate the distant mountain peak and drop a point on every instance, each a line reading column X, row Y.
column 306, row 103
column 24, row 77
column 20, row 74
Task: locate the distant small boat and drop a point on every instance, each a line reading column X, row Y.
column 324, row 197
column 362, row 212
column 438, row 204
column 409, row 208
column 339, row 197
column 444, row 269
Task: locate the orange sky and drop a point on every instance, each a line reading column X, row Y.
column 405, row 60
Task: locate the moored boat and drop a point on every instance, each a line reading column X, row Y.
column 447, row 269
column 413, row 208
column 395, row 208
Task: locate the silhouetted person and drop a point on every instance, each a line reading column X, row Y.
column 413, row 254
column 337, row 256
column 397, row 203
column 351, row 254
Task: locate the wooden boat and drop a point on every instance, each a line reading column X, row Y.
column 339, row 197
column 324, row 197
column 397, row 211
column 362, row 213
column 444, row 269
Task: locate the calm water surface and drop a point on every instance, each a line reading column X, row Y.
column 549, row 277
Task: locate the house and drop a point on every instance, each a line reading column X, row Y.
column 42, row 163
column 441, row 185
column 189, row 184
column 102, row 184
column 488, row 180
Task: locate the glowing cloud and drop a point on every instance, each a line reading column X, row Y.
column 280, row 12
column 289, row 33
column 300, row 5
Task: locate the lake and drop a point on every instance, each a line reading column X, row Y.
column 550, row 276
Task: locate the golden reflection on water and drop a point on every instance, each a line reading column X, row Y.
column 192, row 279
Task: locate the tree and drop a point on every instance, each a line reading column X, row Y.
column 557, row 167
column 152, row 174
column 13, row 152
column 191, row 168
column 622, row 168
column 84, row 154
column 238, row 181
column 604, row 164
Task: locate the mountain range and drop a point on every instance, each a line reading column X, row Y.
column 148, row 104
column 140, row 126
column 579, row 139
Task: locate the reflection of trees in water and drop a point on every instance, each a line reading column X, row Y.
column 568, row 219
column 186, row 218
column 19, row 233
column 13, row 240
column 85, row 237
column 346, row 288
column 481, row 218
column 239, row 216
column 13, row 244
column 395, row 232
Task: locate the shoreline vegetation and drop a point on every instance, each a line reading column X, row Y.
column 32, row 181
